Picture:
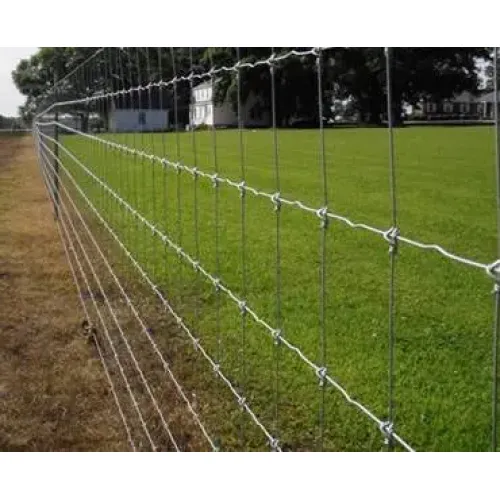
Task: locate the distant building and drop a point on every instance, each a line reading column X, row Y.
column 464, row 106
column 121, row 119
column 204, row 111
column 486, row 103
column 72, row 121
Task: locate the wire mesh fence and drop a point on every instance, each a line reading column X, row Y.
column 207, row 205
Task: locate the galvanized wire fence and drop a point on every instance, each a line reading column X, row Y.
column 180, row 248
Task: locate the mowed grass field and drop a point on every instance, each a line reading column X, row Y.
column 444, row 309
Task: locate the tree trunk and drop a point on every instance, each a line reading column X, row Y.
column 84, row 122
column 371, row 110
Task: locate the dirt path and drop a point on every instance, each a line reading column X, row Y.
column 53, row 393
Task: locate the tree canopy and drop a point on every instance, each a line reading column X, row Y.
column 346, row 72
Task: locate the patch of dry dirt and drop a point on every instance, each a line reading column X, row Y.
column 53, row 392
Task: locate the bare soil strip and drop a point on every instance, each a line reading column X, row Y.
column 53, row 392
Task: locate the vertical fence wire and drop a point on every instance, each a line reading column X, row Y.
column 244, row 291
column 118, row 106
column 125, row 165
column 109, row 165
column 195, row 197
column 165, row 195
column 149, row 78
column 277, row 209
column 143, row 235
column 323, row 255
column 496, row 325
column 392, row 238
column 178, row 156
column 116, row 162
column 133, row 165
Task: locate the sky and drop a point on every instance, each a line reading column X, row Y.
column 10, row 98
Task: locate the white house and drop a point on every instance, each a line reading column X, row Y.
column 204, row 111
column 138, row 120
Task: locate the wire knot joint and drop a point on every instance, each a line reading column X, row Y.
column 275, row 198
column 493, row 270
column 321, row 373
column 243, row 307
column 322, row 213
column 277, row 336
column 215, row 181
column 242, row 188
column 391, row 236
column 274, row 444
column 387, row 429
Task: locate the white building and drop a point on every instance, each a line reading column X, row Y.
column 138, row 120
column 203, row 110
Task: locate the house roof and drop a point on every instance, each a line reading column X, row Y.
column 206, row 84
column 464, row 96
column 487, row 97
column 203, row 85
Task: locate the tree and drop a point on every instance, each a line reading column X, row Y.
column 42, row 78
column 358, row 73
column 416, row 73
column 295, row 81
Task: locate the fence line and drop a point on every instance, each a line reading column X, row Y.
column 102, row 74
column 276, row 334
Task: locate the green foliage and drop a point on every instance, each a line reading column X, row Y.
column 10, row 123
column 446, row 195
column 346, row 72
column 353, row 72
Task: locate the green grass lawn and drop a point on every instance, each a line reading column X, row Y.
column 446, row 195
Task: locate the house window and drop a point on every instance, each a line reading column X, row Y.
column 209, row 94
column 142, row 118
column 448, row 107
column 431, row 107
column 464, row 107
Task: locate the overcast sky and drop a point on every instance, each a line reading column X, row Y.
column 10, row 98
